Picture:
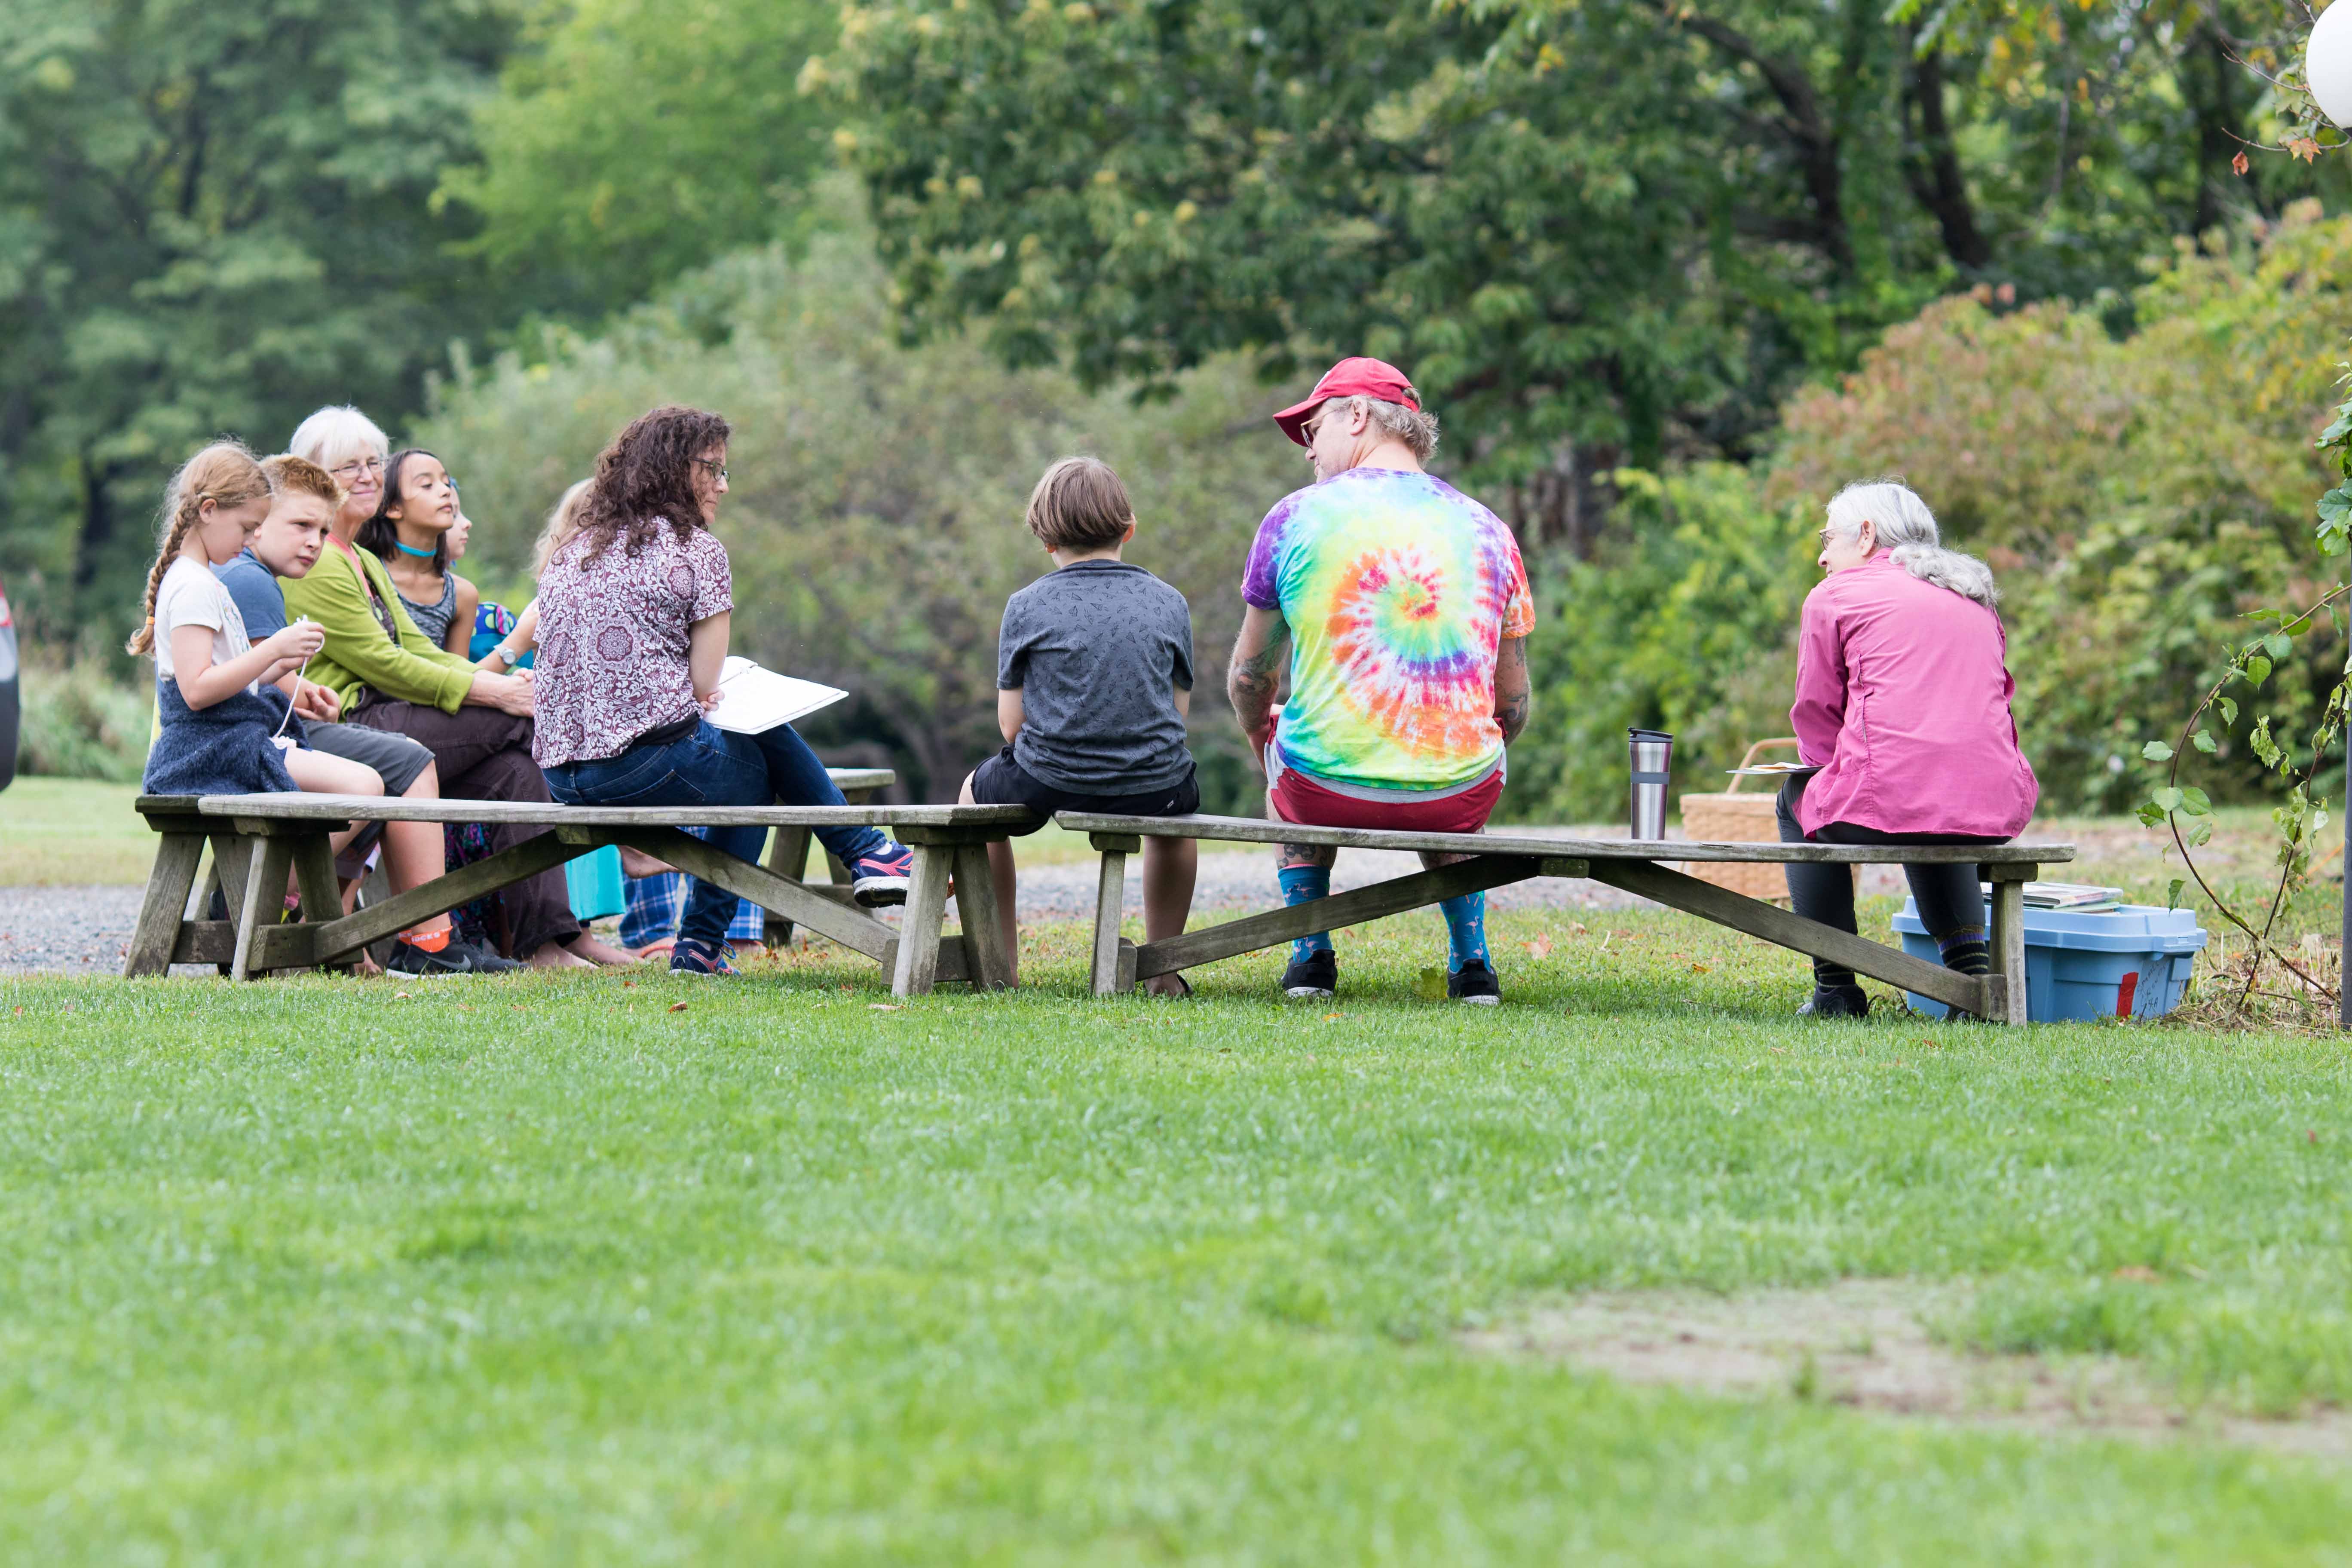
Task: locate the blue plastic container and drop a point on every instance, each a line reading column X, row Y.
column 2127, row 963
column 593, row 880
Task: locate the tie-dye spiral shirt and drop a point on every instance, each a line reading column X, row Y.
column 1397, row 588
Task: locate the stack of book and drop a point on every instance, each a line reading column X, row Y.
column 2074, row 897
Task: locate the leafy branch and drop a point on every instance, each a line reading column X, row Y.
column 2299, row 819
column 2303, row 814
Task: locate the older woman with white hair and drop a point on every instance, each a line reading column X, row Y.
column 387, row 675
column 1903, row 707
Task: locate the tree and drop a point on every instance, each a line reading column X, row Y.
column 634, row 140
column 2137, row 497
column 1597, row 231
column 877, row 492
column 212, row 218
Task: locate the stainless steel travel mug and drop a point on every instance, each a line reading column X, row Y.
column 1652, row 756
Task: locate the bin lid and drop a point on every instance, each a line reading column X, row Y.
column 2129, row 928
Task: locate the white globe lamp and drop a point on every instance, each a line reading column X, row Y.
column 2327, row 62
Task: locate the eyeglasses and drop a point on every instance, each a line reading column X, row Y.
column 717, row 471
column 357, row 467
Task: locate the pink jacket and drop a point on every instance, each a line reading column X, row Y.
column 1903, row 699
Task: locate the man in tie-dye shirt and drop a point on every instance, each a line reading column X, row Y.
column 1401, row 608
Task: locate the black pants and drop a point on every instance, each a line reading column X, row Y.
column 1948, row 897
column 483, row 755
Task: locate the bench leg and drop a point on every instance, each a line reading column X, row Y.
column 377, row 889
column 166, row 904
column 986, row 960
column 264, row 902
column 1110, row 904
column 787, row 858
column 927, row 906
column 2008, row 941
column 232, row 868
column 314, row 873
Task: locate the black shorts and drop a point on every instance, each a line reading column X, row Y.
column 1000, row 780
column 396, row 759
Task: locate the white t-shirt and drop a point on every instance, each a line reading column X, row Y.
column 191, row 596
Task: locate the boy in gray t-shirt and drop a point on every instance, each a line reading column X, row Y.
column 1093, row 677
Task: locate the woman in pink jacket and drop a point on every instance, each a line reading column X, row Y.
column 1903, row 707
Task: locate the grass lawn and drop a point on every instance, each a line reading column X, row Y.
column 559, row 1271
column 71, row 832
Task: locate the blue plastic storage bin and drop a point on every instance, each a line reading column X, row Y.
column 593, row 880
column 2132, row 961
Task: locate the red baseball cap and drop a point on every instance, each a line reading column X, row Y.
column 1357, row 377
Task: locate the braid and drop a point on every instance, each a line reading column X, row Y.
column 224, row 473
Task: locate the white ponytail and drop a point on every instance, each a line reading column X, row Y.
column 1906, row 529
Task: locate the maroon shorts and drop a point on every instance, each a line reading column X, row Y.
column 1297, row 798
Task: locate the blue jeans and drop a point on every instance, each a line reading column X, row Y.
column 715, row 767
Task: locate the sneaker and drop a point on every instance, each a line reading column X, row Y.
column 688, row 957
column 1314, row 977
column 458, row 958
column 1474, row 983
column 881, row 878
column 1844, row 1002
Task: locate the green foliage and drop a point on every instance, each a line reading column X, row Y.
column 79, row 722
column 877, row 496
column 2136, row 497
column 1598, row 232
column 634, row 140
column 211, row 217
column 1142, row 188
column 1684, row 626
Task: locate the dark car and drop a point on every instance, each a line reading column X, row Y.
column 9, row 704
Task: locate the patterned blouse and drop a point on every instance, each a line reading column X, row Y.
column 612, row 641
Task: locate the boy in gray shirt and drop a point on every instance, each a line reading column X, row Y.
column 1094, row 678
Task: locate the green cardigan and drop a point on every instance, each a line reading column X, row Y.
column 358, row 653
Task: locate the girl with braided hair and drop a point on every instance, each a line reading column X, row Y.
column 226, row 726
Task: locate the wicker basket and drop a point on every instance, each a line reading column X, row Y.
column 1733, row 817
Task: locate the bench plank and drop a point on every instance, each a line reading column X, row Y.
column 372, row 922
column 1393, row 897
column 1779, row 926
column 306, row 807
column 1261, row 830
column 844, row 923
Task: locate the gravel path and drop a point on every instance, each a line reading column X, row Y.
column 78, row 930
column 85, row 930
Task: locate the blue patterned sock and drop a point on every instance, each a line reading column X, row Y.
column 1465, row 929
column 1299, row 884
column 1964, row 950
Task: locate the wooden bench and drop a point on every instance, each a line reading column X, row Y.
column 1499, row 859
column 259, row 840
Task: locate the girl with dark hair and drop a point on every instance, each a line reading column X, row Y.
column 413, row 531
column 634, row 613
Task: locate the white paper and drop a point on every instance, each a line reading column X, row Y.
column 753, row 697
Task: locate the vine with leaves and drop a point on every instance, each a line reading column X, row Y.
column 2304, row 812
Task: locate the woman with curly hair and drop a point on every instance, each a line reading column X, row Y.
column 634, row 610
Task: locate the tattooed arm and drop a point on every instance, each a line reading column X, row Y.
column 1255, row 674
column 1513, row 698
